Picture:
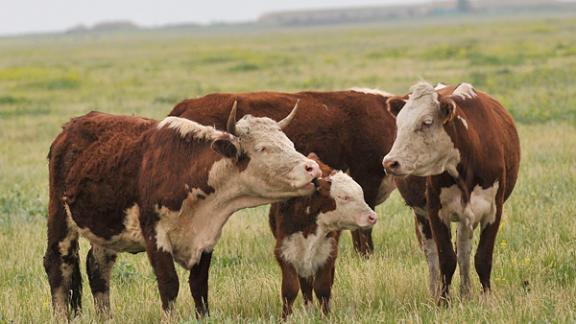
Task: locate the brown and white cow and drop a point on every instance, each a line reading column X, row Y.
column 460, row 150
column 349, row 130
column 307, row 231
column 131, row 184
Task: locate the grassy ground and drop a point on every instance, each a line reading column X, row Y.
column 528, row 64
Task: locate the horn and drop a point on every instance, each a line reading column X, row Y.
column 286, row 121
column 231, row 124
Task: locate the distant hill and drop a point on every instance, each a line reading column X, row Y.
column 384, row 13
column 106, row 26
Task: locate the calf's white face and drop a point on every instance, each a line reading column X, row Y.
column 422, row 146
column 351, row 210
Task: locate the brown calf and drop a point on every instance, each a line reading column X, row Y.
column 307, row 231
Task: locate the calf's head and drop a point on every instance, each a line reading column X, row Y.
column 340, row 201
column 273, row 168
column 422, row 146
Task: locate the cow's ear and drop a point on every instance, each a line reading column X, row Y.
column 225, row 147
column 447, row 109
column 395, row 104
column 313, row 156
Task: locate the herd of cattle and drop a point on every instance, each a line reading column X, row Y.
column 323, row 159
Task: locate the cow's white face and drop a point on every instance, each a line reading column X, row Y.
column 275, row 169
column 422, row 146
column 351, row 210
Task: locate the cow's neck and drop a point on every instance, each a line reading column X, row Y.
column 197, row 226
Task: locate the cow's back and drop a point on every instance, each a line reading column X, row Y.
column 497, row 139
column 93, row 163
column 347, row 129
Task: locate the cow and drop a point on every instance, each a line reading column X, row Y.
column 131, row 184
column 458, row 152
column 349, row 130
column 307, row 230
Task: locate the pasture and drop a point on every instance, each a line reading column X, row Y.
column 529, row 64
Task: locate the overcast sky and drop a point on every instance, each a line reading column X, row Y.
column 21, row 16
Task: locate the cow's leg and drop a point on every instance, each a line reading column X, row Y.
column 62, row 263
column 99, row 263
column 362, row 241
column 484, row 253
column 463, row 248
column 290, row 287
column 370, row 182
column 323, row 284
column 198, row 282
column 446, row 255
column 306, row 285
column 161, row 261
column 424, row 233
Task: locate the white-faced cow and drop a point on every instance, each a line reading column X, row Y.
column 349, row 130
column 460, row 150
column 307, row 231
column 130, row 184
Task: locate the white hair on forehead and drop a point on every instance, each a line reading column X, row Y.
column 421, row 89
column 250, row 124
column 343, row 183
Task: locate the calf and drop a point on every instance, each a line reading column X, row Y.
column 130, row 184
column 349, row 130
column 307, row 231
column 460, row 150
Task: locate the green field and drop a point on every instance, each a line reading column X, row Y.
column 529, row 64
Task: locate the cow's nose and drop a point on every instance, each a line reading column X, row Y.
column 391, row 164
column 313, row 169
column 372, row 218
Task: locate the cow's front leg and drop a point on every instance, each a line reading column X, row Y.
column 446, row 255
column 323, row 284
column 306, row 285
column 163, row 265
column 424, row 233
column 198, row 282
column 463, row 249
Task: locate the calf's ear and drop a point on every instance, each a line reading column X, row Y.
column 395, row 104
column 447, row 109
column 225, row 147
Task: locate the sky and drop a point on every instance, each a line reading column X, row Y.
column 25, row 16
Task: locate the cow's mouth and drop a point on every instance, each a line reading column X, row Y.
column 316, row 183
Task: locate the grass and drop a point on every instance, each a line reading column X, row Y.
column 529, row 64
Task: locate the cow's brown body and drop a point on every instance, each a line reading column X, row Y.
column 485, row 135
column 130, row 184
column 349, row 130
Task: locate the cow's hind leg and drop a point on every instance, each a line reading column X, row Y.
column 99, row 263
column 62, row 264
column 485, row 251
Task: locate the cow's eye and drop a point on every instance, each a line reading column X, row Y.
column 346, row 198
column 427, row 123
column 261, row 149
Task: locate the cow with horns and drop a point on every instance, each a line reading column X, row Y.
column 131, row 184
